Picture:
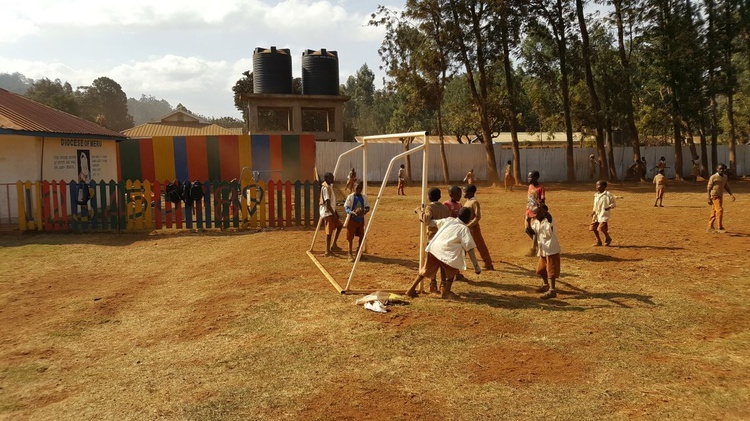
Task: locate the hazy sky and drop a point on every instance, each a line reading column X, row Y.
column 186, row 51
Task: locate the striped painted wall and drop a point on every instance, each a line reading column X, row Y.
column 276, row 157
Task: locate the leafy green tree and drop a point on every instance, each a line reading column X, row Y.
column 556, row 16
column 227, row 122
column 55, row 94
column 476, row 53
column 243, row 86
column 596, row 104
column 671, row 79
column 105, row 103
column 415, row 58
column 627, row 15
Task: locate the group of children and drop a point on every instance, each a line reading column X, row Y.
column 453, row 228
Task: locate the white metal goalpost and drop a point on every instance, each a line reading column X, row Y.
column 424, row 149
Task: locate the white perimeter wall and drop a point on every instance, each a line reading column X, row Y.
column 551, row 163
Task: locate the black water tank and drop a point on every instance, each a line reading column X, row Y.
column 272, row 71
column 320, row 72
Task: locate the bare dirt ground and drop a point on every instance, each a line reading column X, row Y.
column 242, row 325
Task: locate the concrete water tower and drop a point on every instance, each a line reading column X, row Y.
column 273, row 107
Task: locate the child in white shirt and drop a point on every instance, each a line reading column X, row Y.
column 603, row 202
column 548, row 250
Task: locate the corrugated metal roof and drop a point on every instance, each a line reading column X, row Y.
column 21, row 114
column 177, row 129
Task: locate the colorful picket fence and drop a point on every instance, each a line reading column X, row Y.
column 135, row 205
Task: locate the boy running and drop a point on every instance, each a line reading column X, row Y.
column 447, row 251
column 603, row 202
column 328, row 213
column 548, row 248
column 356, row 207
column 473, row 224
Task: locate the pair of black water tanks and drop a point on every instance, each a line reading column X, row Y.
column 272, row 72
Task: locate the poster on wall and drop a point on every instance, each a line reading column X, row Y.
column 79, row 159
column 84, row 171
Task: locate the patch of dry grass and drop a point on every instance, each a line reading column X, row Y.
column 243, row 326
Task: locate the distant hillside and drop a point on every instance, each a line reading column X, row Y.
column 16, row 82
column 148, row 108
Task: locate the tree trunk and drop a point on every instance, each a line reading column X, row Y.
column 562, row 51
column 625, row 63
column 443, row 158
column 595, row 103
column 407, row 158
column 677, row 148
column 691, row 143
column 732, row 135
column 611, row 153
column 704, row 155
column 479, row 96
column 511, row 106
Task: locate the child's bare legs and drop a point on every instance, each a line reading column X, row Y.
column 412, row 291
column 334, row 247
column 545, row 284
column 328, row 245
column 552, row 293
column 352, row 256
column 598, row 239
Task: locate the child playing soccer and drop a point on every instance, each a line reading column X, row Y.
column 432, row 212
column 473, row 224
column 447, row 251
column 356, row 206
column 401, row 180
column 603, row 202
column 328, row 213
column 469, row 179
column 660, row 182
column 717, row 184
column 351, row 180
column 453, row 203
column 548, row 248
column 536, row 198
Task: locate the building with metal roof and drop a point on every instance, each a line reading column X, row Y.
column 38, row 142
column 178, row 123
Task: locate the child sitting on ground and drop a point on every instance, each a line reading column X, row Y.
column 356, row 206
column 548, row 250
column 603, row 202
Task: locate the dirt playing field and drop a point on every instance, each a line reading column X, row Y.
column 242, row 325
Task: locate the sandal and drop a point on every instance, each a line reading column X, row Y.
column 543, row 288
column 549, row 294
